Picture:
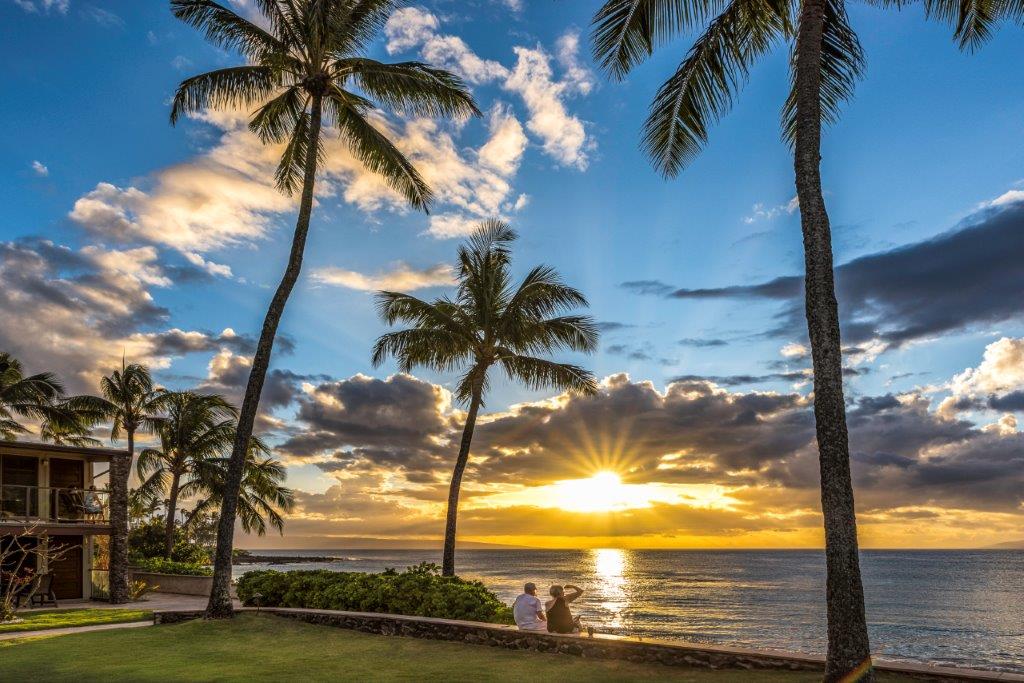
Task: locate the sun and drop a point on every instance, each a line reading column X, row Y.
column 602, row 492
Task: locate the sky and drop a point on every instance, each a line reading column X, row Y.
column 124, row 235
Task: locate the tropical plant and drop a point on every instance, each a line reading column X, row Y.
column 20, row 553
column 71, row 428
column 131, row 402
column 489, row 322
column 33, row 397
column 261, row 497
column 197, row 428
column 305, row 65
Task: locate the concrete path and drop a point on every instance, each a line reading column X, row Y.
column 73, row 629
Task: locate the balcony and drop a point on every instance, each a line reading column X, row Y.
column 50, row 508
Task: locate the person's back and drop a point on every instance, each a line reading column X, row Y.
column 560, row 619
column 528, row 610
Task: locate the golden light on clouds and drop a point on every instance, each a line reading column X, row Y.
column 604, row 491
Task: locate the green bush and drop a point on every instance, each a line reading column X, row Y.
column 147, row 541
column 418, row 591
column 159, row 565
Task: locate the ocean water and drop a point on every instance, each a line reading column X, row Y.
column 954, row 608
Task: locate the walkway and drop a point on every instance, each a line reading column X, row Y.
column 17, row 635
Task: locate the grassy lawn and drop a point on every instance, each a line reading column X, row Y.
column 37, row 621
column 267, row 648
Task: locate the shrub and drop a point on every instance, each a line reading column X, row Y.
column 418, row 591
column 159, row 565
column 147, row 541
column 137, row 590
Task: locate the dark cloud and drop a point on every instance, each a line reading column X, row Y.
column 612, row 326
column 969, row 276
column 702, row 343
column 175, row 342
column 1013, row 401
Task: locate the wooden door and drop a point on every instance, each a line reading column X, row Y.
column 67, row 479
column 67, row 571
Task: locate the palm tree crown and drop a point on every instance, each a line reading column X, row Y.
column 490, row 322
column 34, row 397
column 310, row 54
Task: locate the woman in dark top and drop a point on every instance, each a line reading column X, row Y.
column 560, row 619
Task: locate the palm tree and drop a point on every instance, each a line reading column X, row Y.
column 131, row 402
column 71, row 428
column 197, row 428
column 34, row 397
column 307, row 64
column 262, row 499
column 827, row 60
column 489, row 322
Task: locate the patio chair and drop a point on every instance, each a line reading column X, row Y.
column 43, row 594
column 27, row 591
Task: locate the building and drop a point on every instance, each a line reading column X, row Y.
column 49, row 491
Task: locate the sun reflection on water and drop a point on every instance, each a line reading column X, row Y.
column 610, row 566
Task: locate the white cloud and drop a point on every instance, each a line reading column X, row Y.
column 794, row 350
column 761, row 212
column 40, row 168
column 563, row 135
column 1001, row 370
column 1007, row 198
column 579, row 77
column 400, row 278
column 451, row 225
column 102, row 17
column 36, row 6
column 504, row 149
column 181, row 62
column 408, row 28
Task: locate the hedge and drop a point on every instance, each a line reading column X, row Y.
column 418, row 591
column 159, row 565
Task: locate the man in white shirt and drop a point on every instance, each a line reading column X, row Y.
column 528, row 610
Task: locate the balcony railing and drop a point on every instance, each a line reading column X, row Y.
column 50, row 504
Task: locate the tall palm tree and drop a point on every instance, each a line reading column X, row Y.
column 71, row 428
column 34, row 397
column 197, row 428
column 826, row 62
column 262, row 499
column 489, row 322
column 306, row 65
column 129, row 399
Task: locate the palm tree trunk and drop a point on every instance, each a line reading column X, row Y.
column 451, row 520
column 172, row 509
column 120, row 468
column 848, row 647
column 220, row 597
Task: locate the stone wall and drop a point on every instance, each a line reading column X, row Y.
column 174, row 583
column 601, row 646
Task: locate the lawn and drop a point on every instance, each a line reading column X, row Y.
column 266, row 648
column 38, row 621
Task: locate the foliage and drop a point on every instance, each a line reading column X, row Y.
column 160, row 565
column 40, row 397
column 491, row 322
column 18, row 553
column 417, row 591
column 147, row 541
column 137, row 590
column 40, row 620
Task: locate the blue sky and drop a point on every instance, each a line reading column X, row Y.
column 931, row 138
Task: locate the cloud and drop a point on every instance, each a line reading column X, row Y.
column 40, row 169
column 102, row 17
column 702, row 343
column 563, row 136
column 959, row 280
column 44, row 6
column 181, row 63
column 760, row 212
column 75, row 312
column 1001, row 370
column 400, row 278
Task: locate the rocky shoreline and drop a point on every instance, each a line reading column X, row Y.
column 282, row 559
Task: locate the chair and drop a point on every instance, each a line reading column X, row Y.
column 26, row 592
column 43, row 594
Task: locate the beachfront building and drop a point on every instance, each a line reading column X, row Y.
column 50, row 493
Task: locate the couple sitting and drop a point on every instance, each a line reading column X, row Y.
column 552, row 616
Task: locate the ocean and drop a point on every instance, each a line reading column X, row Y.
column 953, row 608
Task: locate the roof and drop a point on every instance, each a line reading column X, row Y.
column 48, row 449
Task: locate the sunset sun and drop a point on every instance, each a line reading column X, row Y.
column 602, row 492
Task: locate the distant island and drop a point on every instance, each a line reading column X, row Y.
column 1009, row 545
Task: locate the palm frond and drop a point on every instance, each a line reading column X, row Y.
column 277, row 119
column 437, row 349
column 842, row 65
column 625, row 32
column 410, row 87
column 540, row 373
column 225, row 28
column 702, row 88
column 242, row 86
column 376, row 152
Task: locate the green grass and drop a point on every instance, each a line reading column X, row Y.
column 38, row 621
column 266, row 648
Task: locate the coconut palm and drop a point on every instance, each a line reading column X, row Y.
column 262, row 499
column 71, row 428
column 132, row 404
column 35, row 397
column 827, row 60
column 307, row 64
column 197, row 428
column 489, row 322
